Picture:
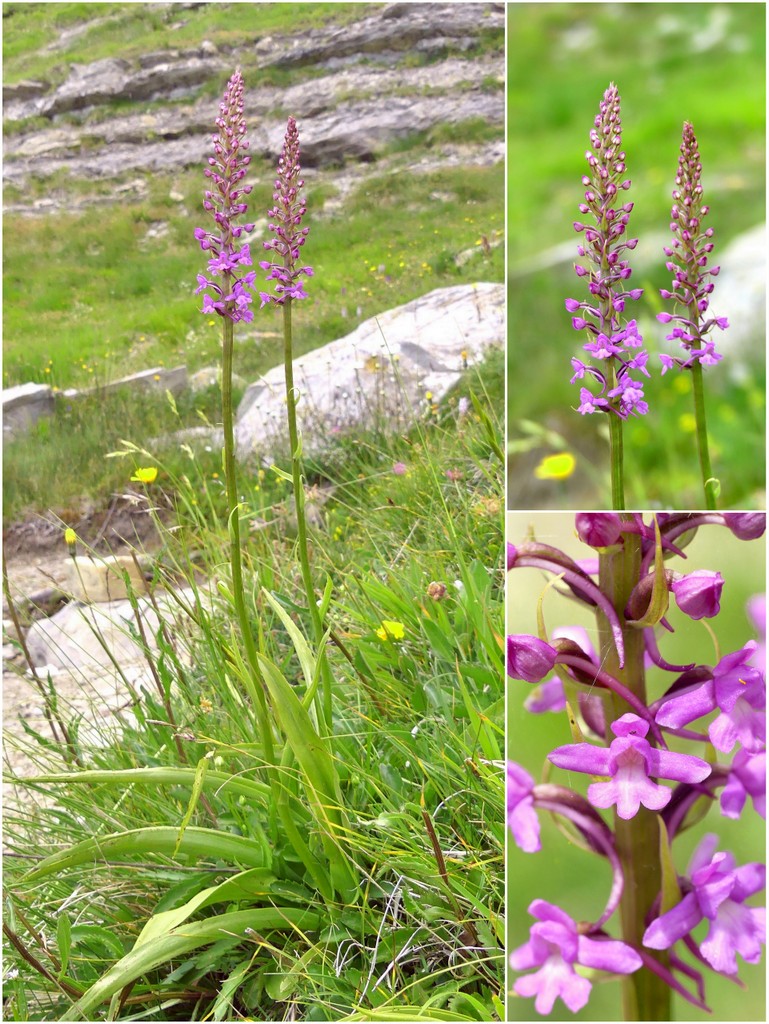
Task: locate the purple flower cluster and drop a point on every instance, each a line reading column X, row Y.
column 688, row 258
column 226, row 170
column 614, row 343
column 629, row 759
column 286, row 223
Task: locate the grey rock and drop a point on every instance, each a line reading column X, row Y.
column 25, row 90
column 395, row 29
column 386, row 373
column 24, row 404
column 89, row 84
column 78, row 636
column 366, row 99
column 740, row 295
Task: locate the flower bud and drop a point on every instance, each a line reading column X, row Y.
column 698, row 594
column 746, row 525
column 529, row 658
column 598, row 529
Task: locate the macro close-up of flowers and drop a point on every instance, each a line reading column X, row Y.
column 643, row 683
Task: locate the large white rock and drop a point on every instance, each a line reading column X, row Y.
column 381, row 374
column 101, row 579
column 78, row 637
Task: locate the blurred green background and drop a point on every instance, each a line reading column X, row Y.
column 672, row 62
column 565, row 875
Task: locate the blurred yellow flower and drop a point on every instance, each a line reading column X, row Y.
column 391, row 630
column 70, row 537
column 555, row 467
column 145, row 476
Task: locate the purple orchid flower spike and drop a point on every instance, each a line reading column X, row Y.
column 226, row 170
column 629, row 762
column 687, row 260
column 555, row 947
column 691, row 289
column 287, row 216
column 625, row 585
column 613, row 343
column 718, row 891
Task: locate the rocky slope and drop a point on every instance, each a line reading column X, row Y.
column 400, row 69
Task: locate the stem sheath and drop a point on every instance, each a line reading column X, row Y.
column 708, row 483
column 645, row 996
column 233, row 515
column 301, row 518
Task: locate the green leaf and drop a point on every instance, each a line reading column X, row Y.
column 480, row 727
column 223, row 1003
column 96, row 938
column 438, row 640
column 246, row 885
column 166, row 948
column 671, row 894
column 197, row 786
column 660, row 595
column 306, row 658
column 196, row 843
column 321, row 782
column 235, row 785
column 63, row 941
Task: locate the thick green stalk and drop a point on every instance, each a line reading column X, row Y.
column 708, row 482
column 616, row 455
column 233, row 510
column 301, row 518
column 645, row 996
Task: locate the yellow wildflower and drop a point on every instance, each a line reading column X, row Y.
column 391, row 630
column 556, row 467
column 148, row 475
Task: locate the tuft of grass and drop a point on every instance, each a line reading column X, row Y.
column 416, row 751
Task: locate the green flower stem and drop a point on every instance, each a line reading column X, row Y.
column 301, row 518
column 616, row 455
column 645, row 996
column 233, row 515
column 708, row 482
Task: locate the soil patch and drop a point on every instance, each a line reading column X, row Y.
column 125, row 523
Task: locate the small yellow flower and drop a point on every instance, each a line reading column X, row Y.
column 206, row 706
column 70, row 537
column 147, row 475
column 556, row 467
column 391, row 630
